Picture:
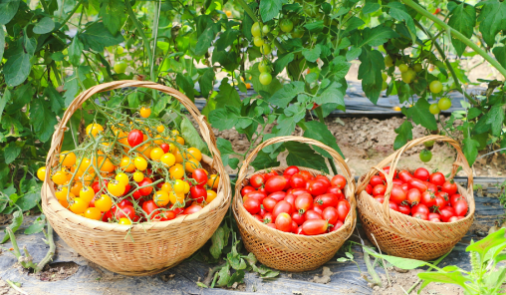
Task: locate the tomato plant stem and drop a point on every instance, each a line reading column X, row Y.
column 457, row 35
column 50, row 252
column 145, row 40
column 69, row 15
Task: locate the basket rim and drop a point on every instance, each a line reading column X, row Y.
column 365, row 197
column 349, row 222
column 222, row 200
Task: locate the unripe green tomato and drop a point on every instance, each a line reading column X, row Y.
column 429, row 144
column 311, row 9
column 266, row 29
column 255, row 30
column 403, row 68
column 389, row 62
column 258, row 41
column 265, row 78
column 264, row 67
column 286, row 25
column 444, row 103
column 435, row 86
column 418, row 68
column 408, row 76
column 434, row 109
column 120, row 50
column 120, row 67
column 298, row 32
column 425, row 156
column 265, row 49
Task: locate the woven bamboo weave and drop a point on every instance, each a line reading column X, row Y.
column 288, row 251
column 405, row 236
column 146, row 248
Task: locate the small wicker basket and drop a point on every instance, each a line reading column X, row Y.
column 287, row 251
column 146, row 248
column 405, row 236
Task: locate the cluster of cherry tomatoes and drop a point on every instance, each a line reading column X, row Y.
column 133, row 172
column 259, row 33
column 296, row 201
column 422, row 195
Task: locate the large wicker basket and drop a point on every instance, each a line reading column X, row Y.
column 405, row 236
column 146, row 248
column 288, row 251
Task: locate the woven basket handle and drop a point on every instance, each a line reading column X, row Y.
column 394, row 158
column 205, row 129
column 335, row 155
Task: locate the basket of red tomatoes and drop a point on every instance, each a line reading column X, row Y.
column 134, row 194
column 416, row 214
column 294, row 218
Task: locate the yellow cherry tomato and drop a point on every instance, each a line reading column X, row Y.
column 180, row 140
column 145, row 150
column 179, row 186
column 122, row 178
column 93, row 213
column 158, row 139
column 88, row 178
column 64, row 203
column 60, row 177
column 211, row 195
column 138, row 176
column 156, row 154
column 166, row 187
column 160, row 128
column 87, row 193
column 176, row 198
column 179, row 156
column 214, row 181
column 41, row 173
column 79, row 206
column 195, row 153
column 175, row 132
column 176, row 171
column 191, row 165
column 127, row 164
column 140, row 163
column 104, row 164
column 186, row 187
column 161, row 198
column 104, row 203
column 62, row 193
column 67, row 159
column 124, row 221
column 116, row 188
column 84, row 164
column 76, row 188
column 168, row 159
column 145, row 112
column 94, row 129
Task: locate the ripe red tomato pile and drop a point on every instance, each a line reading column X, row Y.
column 296, row 201
column 133, row 171
column 422, row 195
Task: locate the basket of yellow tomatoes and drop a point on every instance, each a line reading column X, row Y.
column 136, row 195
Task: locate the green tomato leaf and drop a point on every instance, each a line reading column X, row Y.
column 492, row 20
column 473, row 113
column 300, row 154
column 447, row 278
column 44, row 26
column 282, row 62
column 404, row 134
column 43, row 119
column 113, row 15
column 17, row 68
column 399, row 12
column 353, row 53
column 312, row 54
column 470, row 149
column 204, row 41
column 420, row 114
column 224, row 275
column 227, row 96
column 75, row 50
column 226, row 39
column 353, row 23
column 206, row 82
column 495, row 117
column 340, row 66
column 186, row 84
column 263, row 161
column 370, row 72
column 283, row 96
column 463, row 19
column 8, row 9
column 224, row 118
column 332, row 94
column 270, row 9
column 499, row 53
column 17, row 220
column 377, row 36
column 237, row 277
column 96, row 37
column 192, row 137
column 219, row 240
column 28, row 201
column 2, row 43
column 370, row 7
column 4, row 100
column 319, row 131
column 11, row 152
